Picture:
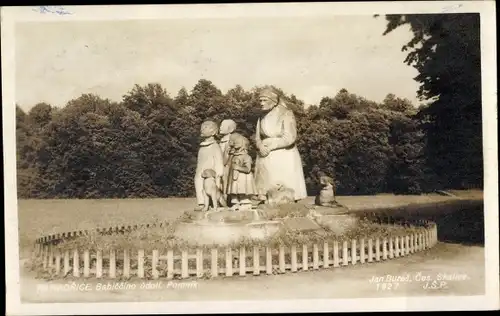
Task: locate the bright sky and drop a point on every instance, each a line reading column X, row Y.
column 309, row 57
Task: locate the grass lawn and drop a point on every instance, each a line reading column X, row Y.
column 44, row 217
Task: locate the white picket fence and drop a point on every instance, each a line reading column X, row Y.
column 229, row 262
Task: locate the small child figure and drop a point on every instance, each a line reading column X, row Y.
column 241, row 184
column 209, row 157
column 227, row 127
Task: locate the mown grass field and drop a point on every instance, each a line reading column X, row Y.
column 43, row 217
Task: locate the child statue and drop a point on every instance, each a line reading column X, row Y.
column 326, row 196
column 209, row 157
column 227, row 127
column 241, row 184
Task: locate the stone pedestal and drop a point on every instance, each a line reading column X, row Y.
column 339, row 224
column 225, row 227
column 242, row 216
column 228, row 226
column 302, row 224
column 323, row 210
column 337, row 219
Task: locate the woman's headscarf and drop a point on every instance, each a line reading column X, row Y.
column 272, row 94
column 279, row 98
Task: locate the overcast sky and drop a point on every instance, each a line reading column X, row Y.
column 309, row 57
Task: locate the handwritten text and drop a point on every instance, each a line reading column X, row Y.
column 59, row 10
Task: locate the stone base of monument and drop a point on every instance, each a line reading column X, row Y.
column 261, row 230
column 209, row 233
column 228, row 216
column 337, row 219
column 325, row 210
column 338, row 224
column 228, row 226
column 303, row 224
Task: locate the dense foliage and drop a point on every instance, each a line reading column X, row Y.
column 445, row 49
column 146, row 145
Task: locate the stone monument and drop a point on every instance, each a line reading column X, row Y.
column 240, row 180
column 209, row 158
column 278, row 182
column 326, row 196
column 278, row 161
column 227, row 127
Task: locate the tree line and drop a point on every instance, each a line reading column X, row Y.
column 146, row 144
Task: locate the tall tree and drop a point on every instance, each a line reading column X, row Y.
column 393, row 103
column 407, row 172
column 148, row 100
column 208, row 101
column 40, row 115
column 445, row 49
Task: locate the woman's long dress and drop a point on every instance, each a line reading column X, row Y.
column 283, row 165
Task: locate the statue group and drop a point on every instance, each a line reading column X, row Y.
column 224, row 174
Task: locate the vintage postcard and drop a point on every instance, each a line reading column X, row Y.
column 274, row 157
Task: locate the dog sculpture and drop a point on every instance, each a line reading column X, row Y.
column 326, row 196
column 211, row 191
column 280, row 195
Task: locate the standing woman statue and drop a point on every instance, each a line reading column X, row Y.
column 278, row 160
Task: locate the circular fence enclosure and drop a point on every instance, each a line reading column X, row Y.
column 204, row 261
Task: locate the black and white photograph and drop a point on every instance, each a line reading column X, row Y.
column 271, row 157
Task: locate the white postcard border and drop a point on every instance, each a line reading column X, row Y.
column 11, row 15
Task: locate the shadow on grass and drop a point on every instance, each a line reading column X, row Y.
column 458, row 221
